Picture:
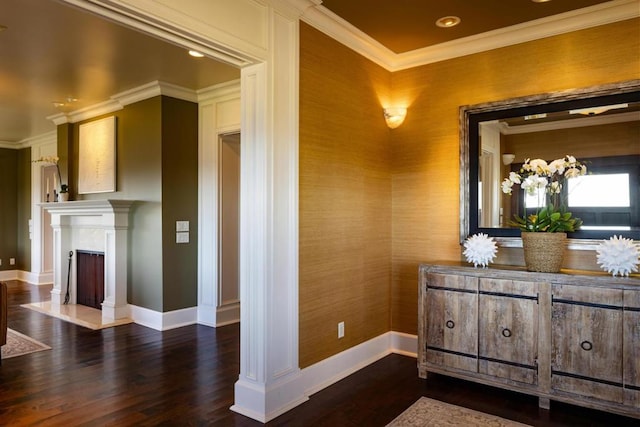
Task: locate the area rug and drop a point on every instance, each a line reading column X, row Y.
column 428, row 412
column 19, row 344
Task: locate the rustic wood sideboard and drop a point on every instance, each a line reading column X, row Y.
column 572, row 337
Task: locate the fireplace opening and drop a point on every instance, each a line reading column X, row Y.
column 90, row 278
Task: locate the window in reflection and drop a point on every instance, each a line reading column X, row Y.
column 611, row 190
column 536, row 200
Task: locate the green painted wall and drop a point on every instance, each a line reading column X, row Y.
column 65, row 152
column 179, row 202
column 23, row 260
column 8, row 211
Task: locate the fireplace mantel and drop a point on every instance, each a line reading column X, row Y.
column 105, row 224
column 89, row 207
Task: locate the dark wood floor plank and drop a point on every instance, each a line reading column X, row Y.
column 131, row 375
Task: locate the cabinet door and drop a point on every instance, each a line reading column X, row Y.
column 452, row 321
column 631, row 357
column 508, row 330
column 587, row 341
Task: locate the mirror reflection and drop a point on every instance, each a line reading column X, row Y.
column 603, row 132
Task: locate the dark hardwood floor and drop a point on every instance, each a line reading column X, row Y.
column 135, row 376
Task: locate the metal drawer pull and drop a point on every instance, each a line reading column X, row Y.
column 506, row 332
column 586, row 345
column 450, row 324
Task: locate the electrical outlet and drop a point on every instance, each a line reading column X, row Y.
column 341, row 330
column 12, row 261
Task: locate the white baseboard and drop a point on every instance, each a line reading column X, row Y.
column 9, row 275
column 27, row 276
column 405, row 344
column 36, row 278
column 219, row 316
column 316, row 377
column 228, row 314
column 341, row 365
column 207, row 315
column 163, row 321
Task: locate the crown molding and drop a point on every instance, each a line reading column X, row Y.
column 10, row 145
column 220, row 90
column 141, row 19
column 122, row 99
column 632, row 116
column 293, row 9
column 332, row 25
column 338, row 29
column 87, row 113
column 45, row 138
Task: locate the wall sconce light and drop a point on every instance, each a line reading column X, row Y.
column 508, row 158
column 394, row 116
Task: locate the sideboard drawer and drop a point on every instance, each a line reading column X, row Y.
column 587, row 341
column 452, row 322
column 508, row 330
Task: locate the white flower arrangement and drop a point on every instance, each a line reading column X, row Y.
column 480, row 249
column 618, row 255
column 545, row 179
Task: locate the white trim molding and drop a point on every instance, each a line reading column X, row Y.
column 27, row 276
column 122, row 99
column 36, row 278
column 332, row 25
column 212, row 30
column 33, row 141
column 8, row 275
column 163, row 321
column 331, row 370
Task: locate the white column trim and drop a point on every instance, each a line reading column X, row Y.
column 270, row 381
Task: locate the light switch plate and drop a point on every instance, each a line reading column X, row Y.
column 182, row 226
column 182, row 237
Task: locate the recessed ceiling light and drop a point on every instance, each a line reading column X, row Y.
column 195, row 54
column 540, row 1
column 448, row 21
column 58, row 104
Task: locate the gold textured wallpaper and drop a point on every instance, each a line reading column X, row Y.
column 345, row 198
column 374, row 202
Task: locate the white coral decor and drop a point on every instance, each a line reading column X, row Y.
column 480, row 249
column 618, row 255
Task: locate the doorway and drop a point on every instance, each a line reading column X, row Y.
column 229, row 226
column 47, row 187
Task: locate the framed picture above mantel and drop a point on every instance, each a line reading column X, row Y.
column 97, row 156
